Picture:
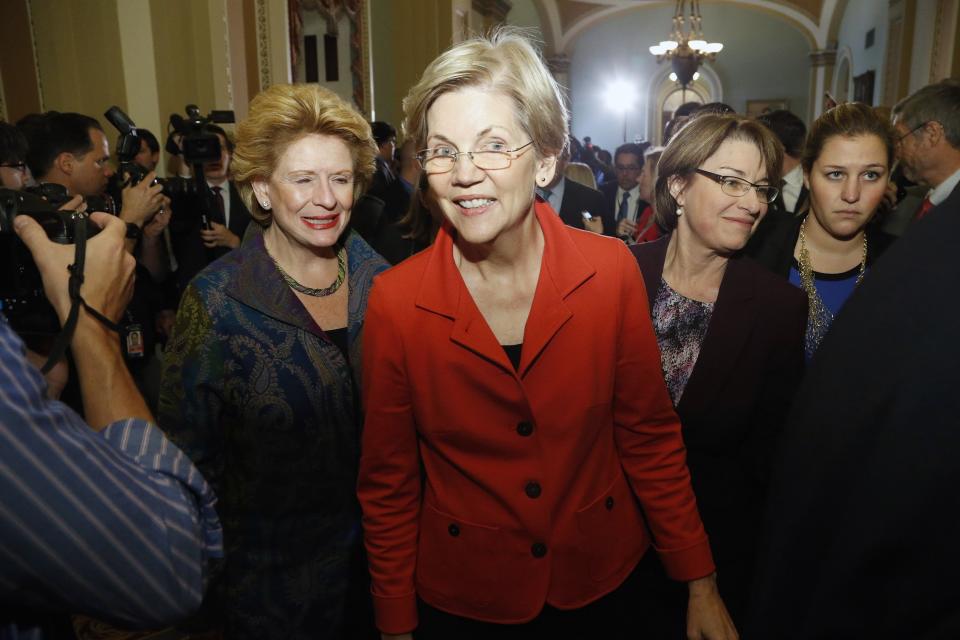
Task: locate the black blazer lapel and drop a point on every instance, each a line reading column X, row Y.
column 651, row 256
column 734, row 316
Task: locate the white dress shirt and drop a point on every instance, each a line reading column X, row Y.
column 792, row 184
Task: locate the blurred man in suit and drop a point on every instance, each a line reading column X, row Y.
column 622, row 195
column 571, row 199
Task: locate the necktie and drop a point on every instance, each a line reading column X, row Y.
column 624, row 211
column 925, row 207
column 218, row 197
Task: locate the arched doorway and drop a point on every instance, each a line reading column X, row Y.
column 666, row 95
column 841, row 81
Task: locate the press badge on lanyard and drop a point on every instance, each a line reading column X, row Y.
column 133, row 340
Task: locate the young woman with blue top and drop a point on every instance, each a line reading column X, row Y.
column 827, row 250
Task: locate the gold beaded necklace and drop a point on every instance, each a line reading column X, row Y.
column 819, row 316
column 318, row 293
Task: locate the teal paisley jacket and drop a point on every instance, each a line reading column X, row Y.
column 267, row 407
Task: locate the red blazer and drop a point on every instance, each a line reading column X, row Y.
column 489, row 491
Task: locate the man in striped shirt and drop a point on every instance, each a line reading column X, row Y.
column 104, row 517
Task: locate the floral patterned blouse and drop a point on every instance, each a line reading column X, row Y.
column 680, row 324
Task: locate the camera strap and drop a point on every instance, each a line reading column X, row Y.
column 62, row 341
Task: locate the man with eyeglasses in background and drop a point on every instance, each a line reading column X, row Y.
column 13, row 151
column 623, row 194
column 928, row 145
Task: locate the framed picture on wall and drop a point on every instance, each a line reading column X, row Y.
column 757, row 107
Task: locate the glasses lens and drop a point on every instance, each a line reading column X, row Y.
column 734, row 187
column 491, row 160
column 436, row 163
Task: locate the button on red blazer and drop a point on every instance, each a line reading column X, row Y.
column 488, row 491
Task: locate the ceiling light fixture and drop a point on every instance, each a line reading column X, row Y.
column 686, row 49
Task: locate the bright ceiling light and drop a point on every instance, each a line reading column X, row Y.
column 620, row 95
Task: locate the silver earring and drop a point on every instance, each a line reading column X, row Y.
column 265, row 205
column 679, row 211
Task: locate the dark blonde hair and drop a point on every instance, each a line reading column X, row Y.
column 281, row 115
column 699, row 139
column 848, row 119
column 504, row 61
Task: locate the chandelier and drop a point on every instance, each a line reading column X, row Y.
column 686, row 48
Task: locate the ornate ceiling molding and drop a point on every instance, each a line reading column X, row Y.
column 565, row 20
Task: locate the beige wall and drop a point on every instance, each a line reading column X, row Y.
column 21, row 94
column 406, row 37
column 149, row 57
column 185, row 74
column 79, row 58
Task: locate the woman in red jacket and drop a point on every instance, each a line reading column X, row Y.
column 516, row 417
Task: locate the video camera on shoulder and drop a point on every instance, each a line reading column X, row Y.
column 200, row 145
column 21, row 287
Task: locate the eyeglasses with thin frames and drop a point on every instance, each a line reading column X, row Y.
column 738, row 187
column 443, row 159
column 19, row 166
column 912, row 131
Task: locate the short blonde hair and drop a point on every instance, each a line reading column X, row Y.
column 281, row 115
column 504, row 61
column 699, row 139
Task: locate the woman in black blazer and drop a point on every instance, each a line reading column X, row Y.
column 730, row 332
column 827, row 250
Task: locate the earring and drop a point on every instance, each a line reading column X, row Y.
column 679, row 211
column 265, row 205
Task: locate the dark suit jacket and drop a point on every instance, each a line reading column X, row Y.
column 777, row 216
column 735, row 402
column 586, row 415
column 609, row 191
column 578, row 198
column 861, row 540
column 775, row 250
column 185, row 238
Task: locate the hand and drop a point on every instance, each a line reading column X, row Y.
column 626, row 228
column 219, row 236
column 594, row 224
column 159, row 221
column 56, row 378
column 108, row 273
column 142, row 201
column 707, row 617
column 75, row 203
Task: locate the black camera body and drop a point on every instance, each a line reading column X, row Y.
column 21, row 288
column 56, row 196
column 128, row 145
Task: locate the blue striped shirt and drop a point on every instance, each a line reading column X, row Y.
column 118, row 525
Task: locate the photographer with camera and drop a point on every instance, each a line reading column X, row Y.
column 71, row 150
column 194, row 244
column 107, row 517
column 69, row 155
